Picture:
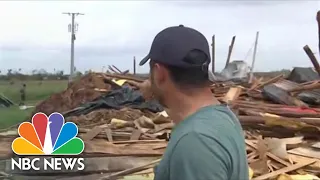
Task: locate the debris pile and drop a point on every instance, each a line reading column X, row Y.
column 126, row 137
column 79, row 92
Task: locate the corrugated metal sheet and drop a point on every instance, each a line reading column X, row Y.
column 307, row 96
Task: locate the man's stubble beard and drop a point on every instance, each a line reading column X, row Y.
column 157, row 92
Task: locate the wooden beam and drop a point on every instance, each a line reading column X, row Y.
column 134, row 65
column 307, row 87
column 318, row 20
column 230, row 50
column 313, row 59
column 213, row 54
column 120, row 72
column 270, row 81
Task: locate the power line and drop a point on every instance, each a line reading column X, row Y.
column 72, row 28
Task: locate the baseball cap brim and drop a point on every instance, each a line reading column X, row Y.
column 144, row 60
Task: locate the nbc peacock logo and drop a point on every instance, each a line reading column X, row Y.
column 48, row 136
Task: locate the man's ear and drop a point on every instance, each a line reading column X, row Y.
column 160, row 73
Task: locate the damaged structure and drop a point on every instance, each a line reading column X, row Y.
column 125, row 135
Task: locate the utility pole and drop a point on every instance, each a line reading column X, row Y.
column 73, row 38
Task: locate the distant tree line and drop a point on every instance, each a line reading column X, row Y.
column 285, row 72
column 36, row 74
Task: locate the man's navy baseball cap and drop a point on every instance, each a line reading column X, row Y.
column 172, row 44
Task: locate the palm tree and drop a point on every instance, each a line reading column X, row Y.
column 9, row 72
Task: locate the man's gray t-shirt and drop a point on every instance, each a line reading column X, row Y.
column 208, row 145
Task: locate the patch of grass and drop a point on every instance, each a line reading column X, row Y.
column 35, row 92
column 13, row 115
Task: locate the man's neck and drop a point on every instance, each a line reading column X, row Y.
column 183, row 106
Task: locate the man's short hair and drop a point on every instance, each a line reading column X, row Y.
column 191, row 77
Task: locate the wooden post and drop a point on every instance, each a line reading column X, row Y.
column 134, row 65
column 312, row 58
column 254, row 57
column 230, row 50
column 318, row 19
column 213, row 54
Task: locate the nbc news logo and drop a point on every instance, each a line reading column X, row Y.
column 47, row 136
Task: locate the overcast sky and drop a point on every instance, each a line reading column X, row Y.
column 35, row 34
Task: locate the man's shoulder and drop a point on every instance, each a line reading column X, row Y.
column 215, row 121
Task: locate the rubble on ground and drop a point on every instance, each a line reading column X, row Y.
column 79, row 92
column 280, row 118
column 5, row 102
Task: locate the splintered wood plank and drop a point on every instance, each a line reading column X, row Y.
column 274, row 157
column 284, row 170
column 160, row 147
column 164, row 126
column 316, row 145
column 261, row 165
column 135, row 134
column 305, row 151
column 252, row 156
column 136, row 149
column 92, row 133
column 270, row 155
column 143, row 130
column 139, row 141
column 255, row 83
column 109, row 134
column 233, row 94
column 270, row 81
column 298, row 158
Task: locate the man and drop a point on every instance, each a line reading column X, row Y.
column 23, row 94
column 207, row 142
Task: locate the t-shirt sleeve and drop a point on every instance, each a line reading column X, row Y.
column 198, row 157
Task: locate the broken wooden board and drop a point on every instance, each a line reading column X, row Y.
column 137, row 149
column 92, row 133
column 306, row 152
column 278, row 147
column 316, row 145
column 298, row 158
column 135, row 134
column 109, row 134
column 284, row 170
column 232, row 94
